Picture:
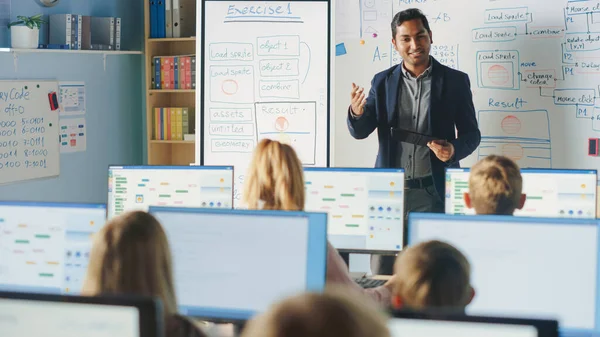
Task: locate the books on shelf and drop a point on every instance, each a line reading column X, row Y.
column 172, row 123
column 174, row 72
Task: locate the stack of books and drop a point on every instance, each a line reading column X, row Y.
column 174, row 72
column 173, row 123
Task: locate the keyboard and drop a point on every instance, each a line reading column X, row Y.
column 367, row 283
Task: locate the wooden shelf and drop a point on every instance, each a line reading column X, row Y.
column 172, row 142
column 171, row 91
column 172, row 39
column 69, row 51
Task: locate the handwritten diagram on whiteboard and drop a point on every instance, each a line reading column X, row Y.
column 534, row 68
column 265, row 75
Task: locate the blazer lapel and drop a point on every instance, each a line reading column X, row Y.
column 392, row 84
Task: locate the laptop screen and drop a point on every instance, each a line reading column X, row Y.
column 45, row 247
column 365, row 206
column 550, row 193
column 525, row 267
column 275, row 253
column 138, row 187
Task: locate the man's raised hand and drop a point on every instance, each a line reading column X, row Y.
column 357, row 100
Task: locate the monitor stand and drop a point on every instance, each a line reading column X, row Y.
column 353, row 275
column 238, row 328
column 346, row 257
column 385, row 265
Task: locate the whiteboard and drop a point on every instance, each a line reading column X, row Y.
column 265, row 74
column 29, row 146
column 534, row 68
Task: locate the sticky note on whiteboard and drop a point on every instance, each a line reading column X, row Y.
column 340, row 49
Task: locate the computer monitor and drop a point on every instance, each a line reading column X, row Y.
column 424, row 324
column 45, row 247
column 523, row 266
column 138, row 187
column 232, row 264
column 26, row 314
column 365, row 207
column 550, row 193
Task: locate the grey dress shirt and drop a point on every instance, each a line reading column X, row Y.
column 413, row 108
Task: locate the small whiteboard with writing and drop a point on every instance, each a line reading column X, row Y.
column 29, row 146
column 265, row 74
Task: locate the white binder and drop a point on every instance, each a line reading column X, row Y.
column 176, row 19
column 169, row 18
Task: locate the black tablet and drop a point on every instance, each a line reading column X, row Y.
column 407, row 136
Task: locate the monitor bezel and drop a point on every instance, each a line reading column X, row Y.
column 510, row 219
column 151, row 316
column 52, row 204
column 495, row 218
column 545, row 327
column 169, row 167
column 274, row 213
column 532, row 170
column 389, row 252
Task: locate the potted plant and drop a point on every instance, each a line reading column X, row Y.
column 25, row 33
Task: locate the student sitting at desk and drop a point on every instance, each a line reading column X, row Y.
column 131, row 255
column 495, row 186
column 432, row 274
column 275, row 181
column 331, row 314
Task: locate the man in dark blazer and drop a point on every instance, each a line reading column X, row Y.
column 419, row 95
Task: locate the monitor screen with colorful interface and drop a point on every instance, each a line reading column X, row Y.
column 365, row 206
column 275, row 253
column 138, row 187
column 550, row 193
column 45, row 247
column 525, row 266
column 26, row 314
column 424, row 324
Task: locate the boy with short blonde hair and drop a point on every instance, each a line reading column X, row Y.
column 432, row 274
column 495, row 186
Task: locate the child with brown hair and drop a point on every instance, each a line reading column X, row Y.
column 495, row 186
column 432, row 274
column 331, row 314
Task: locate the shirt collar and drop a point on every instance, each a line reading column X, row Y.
column 426, row 73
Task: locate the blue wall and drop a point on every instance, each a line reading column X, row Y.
column 115, row 104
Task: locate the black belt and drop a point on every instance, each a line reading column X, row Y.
column 419, row 182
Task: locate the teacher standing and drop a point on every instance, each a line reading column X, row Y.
column 422, row 95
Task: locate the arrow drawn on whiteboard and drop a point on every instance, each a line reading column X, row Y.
column 309, row 56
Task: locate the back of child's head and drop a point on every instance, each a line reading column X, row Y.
column 275, row 178
column 330, row 314
column 495, row 186
column 432, row 274
column 131, row 255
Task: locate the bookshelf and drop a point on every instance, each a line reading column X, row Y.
column 166, row 152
